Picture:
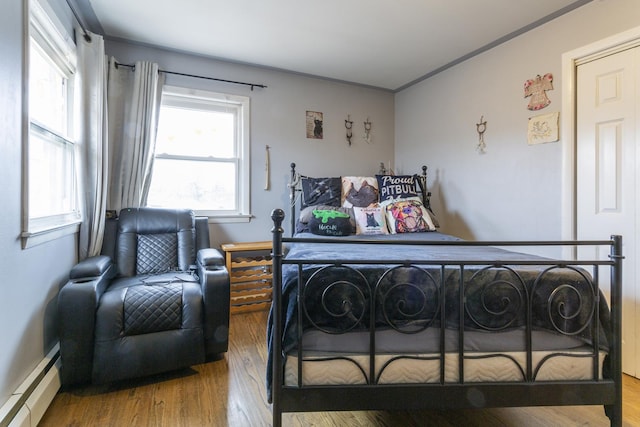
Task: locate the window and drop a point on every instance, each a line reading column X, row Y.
column 201, row 156
column 50, row 180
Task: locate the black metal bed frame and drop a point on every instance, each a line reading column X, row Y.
column 606, row 391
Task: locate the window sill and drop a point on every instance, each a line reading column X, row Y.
column 33, row 238
column 228, row 219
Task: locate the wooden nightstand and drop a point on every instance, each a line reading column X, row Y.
column 249, row 265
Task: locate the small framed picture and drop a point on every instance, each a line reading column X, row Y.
column 543, row 128
column 314, row 125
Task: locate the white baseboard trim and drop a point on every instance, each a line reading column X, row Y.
column 27, row 405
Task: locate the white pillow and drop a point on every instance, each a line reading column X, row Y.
column 370, row 220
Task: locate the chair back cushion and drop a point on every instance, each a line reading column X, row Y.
column 152, row 241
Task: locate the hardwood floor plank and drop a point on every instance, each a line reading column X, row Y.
column 231, row 392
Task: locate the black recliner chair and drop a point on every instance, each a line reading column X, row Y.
column 155, row 300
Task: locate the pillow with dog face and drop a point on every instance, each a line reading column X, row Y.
column 361, row 191
column 408, row 216
column 370, row 220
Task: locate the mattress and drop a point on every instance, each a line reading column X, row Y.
column 324, row 368
column 415, row 358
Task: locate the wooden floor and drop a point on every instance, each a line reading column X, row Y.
column 231, row 392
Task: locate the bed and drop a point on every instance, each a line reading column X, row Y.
column 417, row 319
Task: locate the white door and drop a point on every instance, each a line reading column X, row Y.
column 607, row 181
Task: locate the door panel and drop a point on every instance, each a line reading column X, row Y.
column 608, row 173
column 606, row 179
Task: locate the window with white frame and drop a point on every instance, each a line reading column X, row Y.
column 201, row 158
column 50, row 188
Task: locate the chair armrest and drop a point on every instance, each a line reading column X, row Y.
column 90, row 268
column 210, row 258
column 216, row 289
column 77, row 304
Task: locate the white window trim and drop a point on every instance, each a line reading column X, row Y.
column 243, row 213
column 41, row 22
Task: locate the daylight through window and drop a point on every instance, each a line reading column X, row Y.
column 50, row 184
column 201, row 153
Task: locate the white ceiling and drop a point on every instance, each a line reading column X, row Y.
column 381, row 43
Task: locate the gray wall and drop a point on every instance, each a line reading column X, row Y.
column 278, row 120
column 514, row 190
column 30, row 277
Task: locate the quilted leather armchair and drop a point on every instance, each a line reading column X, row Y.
column 155, row 300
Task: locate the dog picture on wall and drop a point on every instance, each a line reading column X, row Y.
column 314, row 125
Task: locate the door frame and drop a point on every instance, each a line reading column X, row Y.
column 570, row 61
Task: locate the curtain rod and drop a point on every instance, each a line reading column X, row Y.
column 199, row 77
column 86, row 36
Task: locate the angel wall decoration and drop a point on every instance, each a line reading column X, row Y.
column 536, row 88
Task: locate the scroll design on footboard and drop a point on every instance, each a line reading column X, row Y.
column 571, row 304
column 336, row 299
column 495, row 298
column 408, row 299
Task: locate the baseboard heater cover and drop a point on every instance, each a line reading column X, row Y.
column 27, row 405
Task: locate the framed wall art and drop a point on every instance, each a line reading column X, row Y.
column 543, row 128
column 314, row 124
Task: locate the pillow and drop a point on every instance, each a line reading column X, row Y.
column 408, row 216
column 307, row 213
column 394, row 187
column 370, row 220
column 359, row 191
column 330, row 222
column 321, row 191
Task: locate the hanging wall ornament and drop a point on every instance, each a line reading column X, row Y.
column 536, row 89
column 348, row 124
column 367, row 131
column 481, row 127
column 267, row 169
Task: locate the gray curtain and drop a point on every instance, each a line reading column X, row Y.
column 92, row 151
column 132, row 132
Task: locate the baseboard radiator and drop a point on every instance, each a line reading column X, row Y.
column 28, row 403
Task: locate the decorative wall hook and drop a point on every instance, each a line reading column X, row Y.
column 481, row 127
column 367, row 131
column 348, row 124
